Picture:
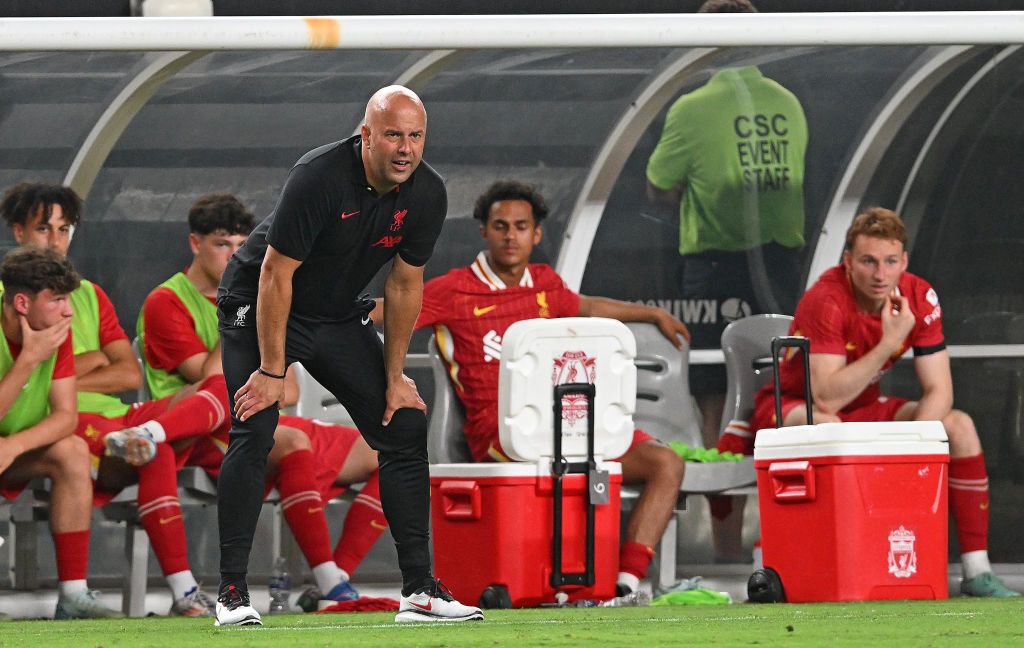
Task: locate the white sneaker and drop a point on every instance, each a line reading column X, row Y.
column 433, row 602
column 233, row 608
column 135, row 445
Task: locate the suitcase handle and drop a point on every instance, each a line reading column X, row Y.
column 792, row 481
column 559, row 468
column 796, row 342
column 460, row 500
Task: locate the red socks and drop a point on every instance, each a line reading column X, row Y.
column 199, row 414
column 303, row 509
column 968, row 501
column 363, row 525
column 634, row 558
column 72, row 549
column 160, row 510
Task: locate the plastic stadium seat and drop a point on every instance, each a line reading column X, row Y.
column 315, row 402
column 746, row 344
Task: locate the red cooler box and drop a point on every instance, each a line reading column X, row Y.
column 854, row 511
column 566, row 389
column 493, row 530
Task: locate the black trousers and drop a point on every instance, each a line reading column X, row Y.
column 346, row 358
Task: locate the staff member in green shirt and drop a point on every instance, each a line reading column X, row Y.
column 731, row 156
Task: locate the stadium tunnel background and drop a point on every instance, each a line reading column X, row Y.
column 237, row 121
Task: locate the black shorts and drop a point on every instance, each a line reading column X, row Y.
column 729, row 290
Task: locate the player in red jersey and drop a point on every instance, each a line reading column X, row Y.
column 470, row 308
column 42, row 215
column 309, row 461
column 37, row 412
column 860, row 317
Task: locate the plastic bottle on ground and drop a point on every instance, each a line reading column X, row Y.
column 280, row 586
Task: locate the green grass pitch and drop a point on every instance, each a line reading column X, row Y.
column 957, row 622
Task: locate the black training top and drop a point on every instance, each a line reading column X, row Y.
column 329, row 218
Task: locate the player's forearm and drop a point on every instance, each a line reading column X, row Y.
column 111, row 379
column 272, row 308
column 402, row 307
column 934, row 406
column 53, row 428
column 615, row 309
column 840, row 388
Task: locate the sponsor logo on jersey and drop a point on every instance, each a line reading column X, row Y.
column 478, row 311
column 397, row 218
column 933, row 316
column 347, row 215
column 388, row 241
column 492, row 346
column 932, row 297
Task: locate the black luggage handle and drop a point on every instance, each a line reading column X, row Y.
column 561, row 467
column 796, row 342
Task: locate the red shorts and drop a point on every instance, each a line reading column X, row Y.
column 93, row 427
column 330, row 443
column 882, row 409
column 495, row 453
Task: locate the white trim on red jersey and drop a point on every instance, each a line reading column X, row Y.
column 482, row 269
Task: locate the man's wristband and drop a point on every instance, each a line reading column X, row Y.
column 273, row 375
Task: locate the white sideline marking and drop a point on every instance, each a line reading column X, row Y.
column 378, row 626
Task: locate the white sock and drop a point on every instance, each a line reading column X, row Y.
column 155, row 430
column 327, row 575
column 67, row 588
column 628, row 580
column 975, row 563
column 181, row 583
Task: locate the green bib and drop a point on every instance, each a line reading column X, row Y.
column 163, row 383
column 33, row 403
column 85, row 331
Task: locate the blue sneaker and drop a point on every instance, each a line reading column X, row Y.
column 986, row 585
column 340, row 593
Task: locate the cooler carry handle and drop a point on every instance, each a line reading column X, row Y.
column 792, row 481
column 561, row 467
column 796, row 342
column 460, row 500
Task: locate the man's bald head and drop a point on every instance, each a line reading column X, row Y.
column 393, row 95
column 393, row 133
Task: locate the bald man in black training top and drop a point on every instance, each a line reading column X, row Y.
column 291, row 294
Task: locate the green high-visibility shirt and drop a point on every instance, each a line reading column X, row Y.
column 737, row 144
column 164, row 383
column 33, row 403
column 85, row 336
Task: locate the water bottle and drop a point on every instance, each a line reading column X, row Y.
column 280, row 587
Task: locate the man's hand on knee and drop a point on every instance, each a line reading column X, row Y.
column 401, row 394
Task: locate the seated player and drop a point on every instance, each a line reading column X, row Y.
column 860, row 317
column 42, row 215
column 471, row 308
column 178, row 327
column 37, row 414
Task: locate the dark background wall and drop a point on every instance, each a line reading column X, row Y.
column 26, row 8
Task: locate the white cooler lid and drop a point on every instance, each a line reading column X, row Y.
column 536, row 355
column 508, row 469
column 846, row 439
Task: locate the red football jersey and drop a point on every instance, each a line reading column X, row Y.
column 828, row 316
column 470, row 309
